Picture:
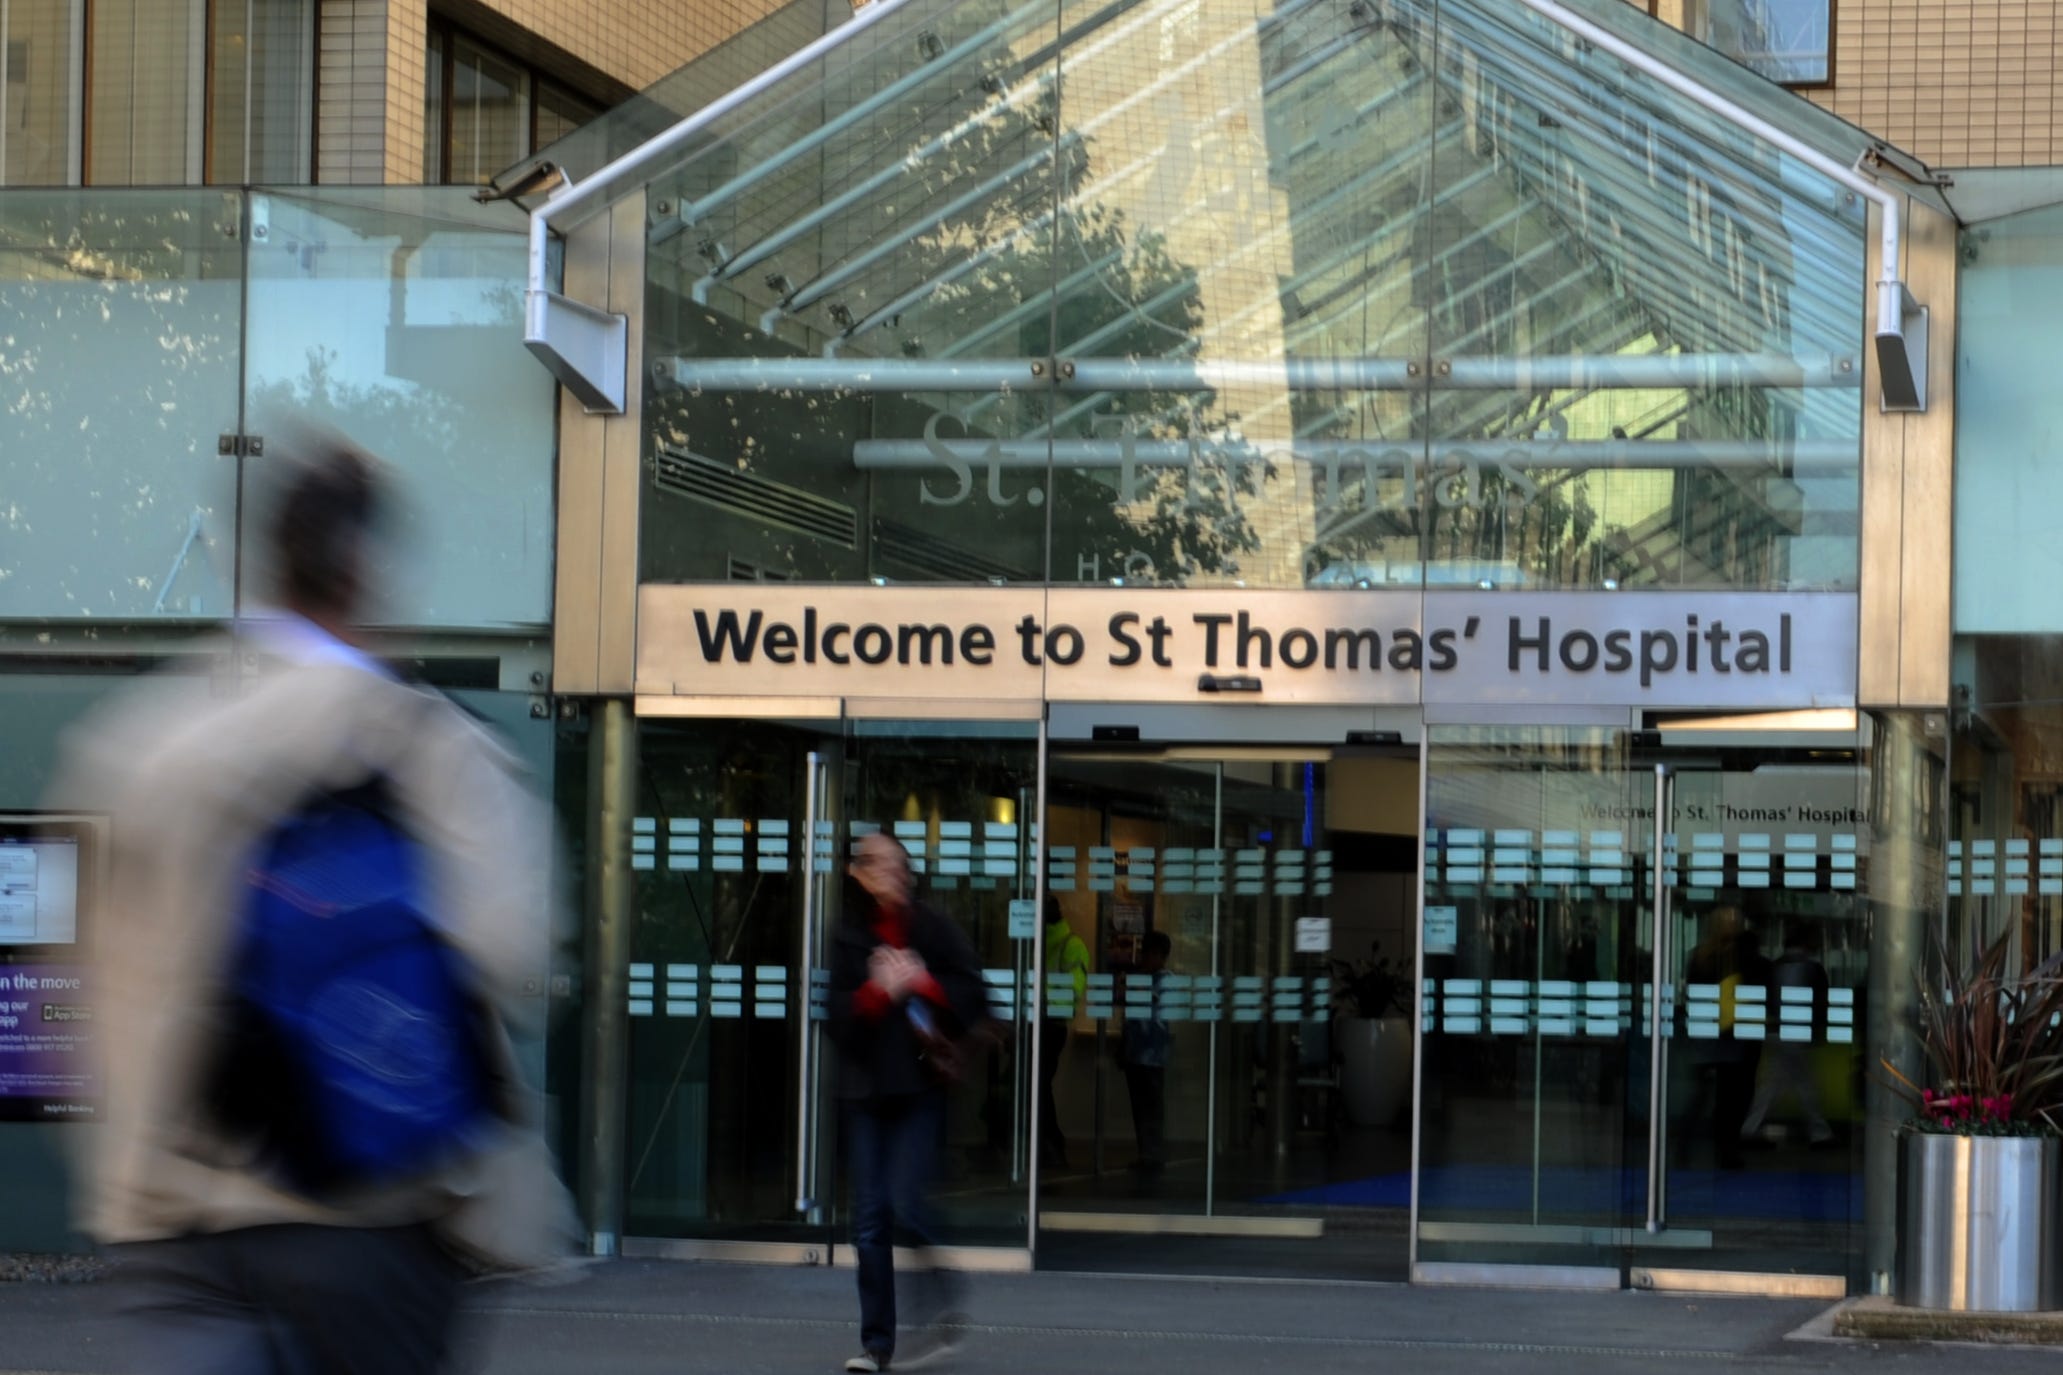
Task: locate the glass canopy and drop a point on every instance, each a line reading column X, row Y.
column 1301, row 293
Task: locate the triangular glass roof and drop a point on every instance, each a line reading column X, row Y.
column 1421, row 290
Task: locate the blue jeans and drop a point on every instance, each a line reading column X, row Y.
column 893, row 1144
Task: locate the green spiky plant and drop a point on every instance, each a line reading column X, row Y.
column 1994, row 1043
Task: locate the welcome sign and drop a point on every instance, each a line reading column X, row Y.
column 1649, row 649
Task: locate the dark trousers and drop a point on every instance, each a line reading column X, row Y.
column 290, row 1300
column 1147, row 1086
column 1052, row 1049
column 893, row 1148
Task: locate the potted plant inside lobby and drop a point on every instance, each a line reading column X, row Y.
column 1374, row 1038
column 1979, row 1228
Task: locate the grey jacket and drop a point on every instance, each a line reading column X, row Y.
column 191, row 775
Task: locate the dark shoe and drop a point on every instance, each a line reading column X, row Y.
column 867, row 1362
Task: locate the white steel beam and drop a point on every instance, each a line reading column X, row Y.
column 925, row 375
column 1391, row 458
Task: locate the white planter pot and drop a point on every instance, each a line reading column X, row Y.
column 1375, row 1068
column 1978, row 1229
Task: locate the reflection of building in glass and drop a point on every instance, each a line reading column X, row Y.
column 1294, row 319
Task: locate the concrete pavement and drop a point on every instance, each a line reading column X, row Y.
column 636, row 1317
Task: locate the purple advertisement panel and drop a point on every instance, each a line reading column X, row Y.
column 46, row 1032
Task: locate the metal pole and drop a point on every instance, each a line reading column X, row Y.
column 1802, row 457
column 805, row 1106
column 1032, row 996
column 1421, row 1001
column 1589, row 372
column 1210, row 1118
column 1027, row 856
column 612, row 747
column 1657, row 1025
column 1905, row 895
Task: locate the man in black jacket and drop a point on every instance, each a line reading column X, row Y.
column 906, row 990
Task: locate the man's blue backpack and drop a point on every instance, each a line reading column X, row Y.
column 354, row 1054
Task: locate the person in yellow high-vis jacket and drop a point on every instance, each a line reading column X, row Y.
column 1067, row 967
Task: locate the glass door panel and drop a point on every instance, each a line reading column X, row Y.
column 1537, row 964
column 1219, row 1099
column 1766, row 960
column 734, row 1107
column 724, row 1138
column 962, row 796
column 1566, row 1120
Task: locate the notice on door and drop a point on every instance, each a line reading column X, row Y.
column 1314, row 935
column 1024, row 919
column 1442, row 930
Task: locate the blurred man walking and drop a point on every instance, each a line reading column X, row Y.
column 257, row 1229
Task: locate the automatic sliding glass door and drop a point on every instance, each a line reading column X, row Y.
column 1537, row 967
column 1225, row 968
column 1764, row 960
column 1641, row 1056
column 740, row 844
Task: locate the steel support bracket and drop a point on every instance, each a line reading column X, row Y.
column 1901, row 348
column 584, row 348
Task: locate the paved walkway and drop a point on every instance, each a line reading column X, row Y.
column 635, row 1317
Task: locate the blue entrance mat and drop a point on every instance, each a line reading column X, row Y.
column 1790, row 1195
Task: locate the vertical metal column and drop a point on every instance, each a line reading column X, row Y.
column 1020, row 985
column 1422, row 1003
column 1210, row 1110
column 612, row 751
column 1658, row 1023
column 1032, row 997
column 1904, row 895
column 805, row 1084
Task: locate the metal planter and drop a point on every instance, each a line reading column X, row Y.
column 1978, row 1225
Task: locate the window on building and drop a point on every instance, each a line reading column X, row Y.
column 487, row 110
column 559, row 113
column 1790, row 41
column 261, row 107
column 433, row 111
column 39, row 85
column 182, row 92
column 145, row 109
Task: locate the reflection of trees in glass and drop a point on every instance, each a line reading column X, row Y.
column 422, row 404
column 1109, row 290
column 1176, row 522
column 118, row 369
column 1032, row 267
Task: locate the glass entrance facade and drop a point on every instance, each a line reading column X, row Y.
column 1442, row 1003
column 1433, row 300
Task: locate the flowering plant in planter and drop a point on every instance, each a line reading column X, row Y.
column 1980, row 1163
column 1994, row 1038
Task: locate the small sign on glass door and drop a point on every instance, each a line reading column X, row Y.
column 1442, row 930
